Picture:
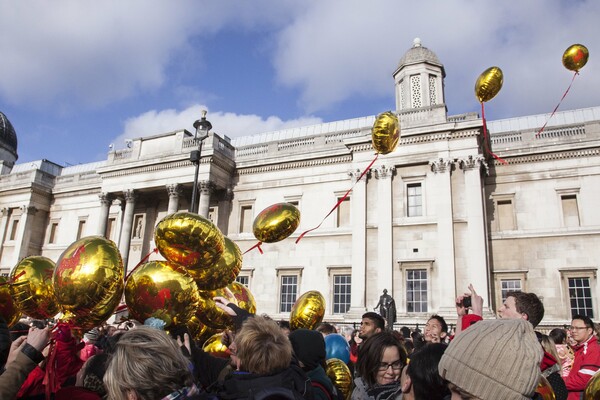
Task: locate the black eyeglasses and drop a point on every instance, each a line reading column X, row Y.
column 396, row 365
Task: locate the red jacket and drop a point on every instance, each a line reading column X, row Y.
column 585, row 365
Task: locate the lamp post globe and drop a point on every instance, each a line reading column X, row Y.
column 202, row 126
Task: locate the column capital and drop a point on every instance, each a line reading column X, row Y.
column 473, row 162
column 31, row 210
column 207, row 187
column 130, row 195
column 441, row 165
column 106, row 198
column 174, row 190
column 354, row 174
column 383, row 172
column 4, row 211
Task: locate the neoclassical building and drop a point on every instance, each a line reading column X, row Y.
column 427, row 220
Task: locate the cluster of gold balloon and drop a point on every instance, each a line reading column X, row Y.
column 84, row 287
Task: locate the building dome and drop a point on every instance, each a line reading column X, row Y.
column 8, row 136
column 419, row 54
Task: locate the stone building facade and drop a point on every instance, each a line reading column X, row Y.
column 428, row 219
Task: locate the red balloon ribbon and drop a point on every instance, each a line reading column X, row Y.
column 340, row 200
column 558, row 105
column 143, row 260
column 256, row 246
column 486, row 144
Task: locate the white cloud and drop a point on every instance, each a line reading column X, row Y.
column 224, row 123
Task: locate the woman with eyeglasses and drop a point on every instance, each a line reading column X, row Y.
column 380, row 361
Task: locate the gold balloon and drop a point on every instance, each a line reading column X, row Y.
column 575, row 57
column 545, row 389
column 385, row 133
column 223, row 272
column 340, row 375
column 243, row 297
column 276, row 222
column 8, row 309
column 489, row 84
column 308, row 311
column 161, row 290
column 32, row 288
column 215, row 347
column 88, row 281
column 189, row 239
column 209, row 314
column 198, row 331
column 592, row 390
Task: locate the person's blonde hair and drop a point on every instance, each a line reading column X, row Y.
column 148, row 363
column 262, row 347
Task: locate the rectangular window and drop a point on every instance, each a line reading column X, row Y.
column 506, row 220
column 246, row 219
column 414, row 200
column 509, row 285
column 80, row 229
column 343, row 213
column 53, row 230
column 580, row 296
column 110, row 228
column 341, row 293
column 243, row 279
column 13, row 230
column 212, row 214
column 289, row 291
column 570, row 210
column 416, row 290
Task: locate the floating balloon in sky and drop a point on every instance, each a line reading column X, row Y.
column 385, row 133
column 575, row 57
column 489, row 84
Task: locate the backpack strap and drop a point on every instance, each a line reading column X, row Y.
column 323, row 388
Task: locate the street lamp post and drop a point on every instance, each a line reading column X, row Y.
column 202, row 127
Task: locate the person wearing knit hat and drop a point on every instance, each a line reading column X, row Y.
column 309, row 349
column 493, row 360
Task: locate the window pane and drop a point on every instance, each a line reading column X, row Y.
column 509, row 285
column 289, row 290
column 580, row 295
column 243, row 279
column 341, row 293
column 416, row 290
column 414, row 200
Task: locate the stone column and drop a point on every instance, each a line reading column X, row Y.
column 4, row 217
column 476, row 240
column 174, row 191
column 24, row 233
column 130, row 197
column 105, row 203
column 359, row 246
column 385, row 262
column 225, row 211
column 443, row 281
column 206, row 188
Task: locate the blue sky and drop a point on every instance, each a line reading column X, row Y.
column 78, row 75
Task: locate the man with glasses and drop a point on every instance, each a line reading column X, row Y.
column 587, row 355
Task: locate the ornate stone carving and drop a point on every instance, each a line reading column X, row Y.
column 31, row 210
column 441, row 165
column 356, row 173
column 174, row 190
column 206, row 187
column 473, row 162
column 106, row 199
column 383, row 172
column 130, row 195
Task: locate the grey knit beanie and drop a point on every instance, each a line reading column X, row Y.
column 494, row 360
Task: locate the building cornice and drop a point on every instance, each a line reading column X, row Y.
column 295, row 165
column 551, row 156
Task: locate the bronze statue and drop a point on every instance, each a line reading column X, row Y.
column 387, row 308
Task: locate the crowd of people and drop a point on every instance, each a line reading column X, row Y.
column 495, row 359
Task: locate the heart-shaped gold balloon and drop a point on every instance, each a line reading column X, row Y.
column 308, row 311
column 385, row 134
column 189, row 239
column 214, row 346
column 276, row 222
column 340, row 375
column 243, row 297
column 32, row 288
column 198, row 331
column 575, row 57
column 161, row 290
column 592, row 390
column 209, row 314
column 88, row 281
column 8, row 309
column 221, row 273
column 489, row 84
